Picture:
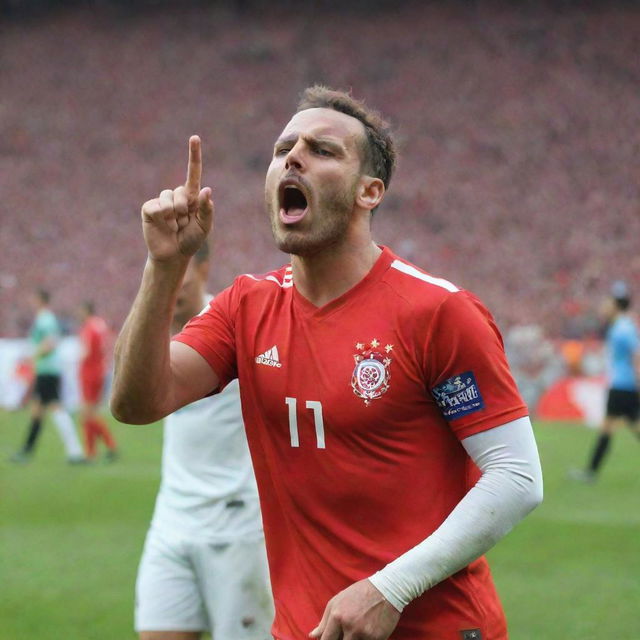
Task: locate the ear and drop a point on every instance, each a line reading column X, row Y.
column 370, row 192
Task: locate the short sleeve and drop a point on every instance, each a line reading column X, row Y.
column 634, row 339
column 93, row 338
column 212, row 334
column 466, row 368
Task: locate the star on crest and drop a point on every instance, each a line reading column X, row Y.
column 389, row 348
column 359, row 346
column 374, row 343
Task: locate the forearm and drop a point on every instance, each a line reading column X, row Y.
column 45, row 347
column 142, row 390
column 510, row 487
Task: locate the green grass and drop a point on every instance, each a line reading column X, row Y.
column 571, row 569
column 71, row 537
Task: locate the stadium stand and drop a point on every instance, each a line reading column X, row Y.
column 517, row 124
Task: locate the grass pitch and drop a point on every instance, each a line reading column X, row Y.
column 71, row 537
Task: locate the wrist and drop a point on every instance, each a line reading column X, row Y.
column 412, row 573
column 175, row 263
column 387, row 594
column 169, row 273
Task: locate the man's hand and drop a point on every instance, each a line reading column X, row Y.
column 45, row 347
column 360, row 612
column 177, row 222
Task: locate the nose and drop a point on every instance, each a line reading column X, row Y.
column 294, row 157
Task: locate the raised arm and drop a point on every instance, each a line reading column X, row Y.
column 152, row 377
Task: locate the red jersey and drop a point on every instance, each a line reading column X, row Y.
column 93, row 336
column 354, row 414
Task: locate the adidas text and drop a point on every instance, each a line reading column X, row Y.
column 270, row 357
column 270, row 363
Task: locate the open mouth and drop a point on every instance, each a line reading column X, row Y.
column 293, row 203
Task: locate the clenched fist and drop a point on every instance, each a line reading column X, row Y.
column 359, row 612
column 176, row 223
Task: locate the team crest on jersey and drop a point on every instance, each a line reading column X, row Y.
column 371, row 375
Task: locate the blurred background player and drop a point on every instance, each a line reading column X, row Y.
column 44, row 335
column 623, row 364
column 93, row 335
column 204, row 565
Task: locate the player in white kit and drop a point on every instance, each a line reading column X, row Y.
column 204, row 564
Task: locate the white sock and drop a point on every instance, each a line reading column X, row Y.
column 68, row 434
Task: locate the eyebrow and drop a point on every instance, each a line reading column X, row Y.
column 312, row 141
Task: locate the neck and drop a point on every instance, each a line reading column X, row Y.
column 327, row 274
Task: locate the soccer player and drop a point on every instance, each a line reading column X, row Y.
column 44, row 335
column 204, row 566
column 93, row 336
column 623, row 397
column 389, row 441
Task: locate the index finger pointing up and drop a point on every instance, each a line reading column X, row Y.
column 194, row 169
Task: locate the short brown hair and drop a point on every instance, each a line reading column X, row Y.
column 378, row 150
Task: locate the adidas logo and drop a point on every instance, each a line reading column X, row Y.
column 270, row 357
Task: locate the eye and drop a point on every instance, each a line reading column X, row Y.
column 281, row 151
column 323, row 152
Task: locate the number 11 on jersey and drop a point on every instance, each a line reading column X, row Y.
column 316, row 407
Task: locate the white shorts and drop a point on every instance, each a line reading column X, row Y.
column 220, row 588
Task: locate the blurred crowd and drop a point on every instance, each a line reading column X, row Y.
column 518, row 130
